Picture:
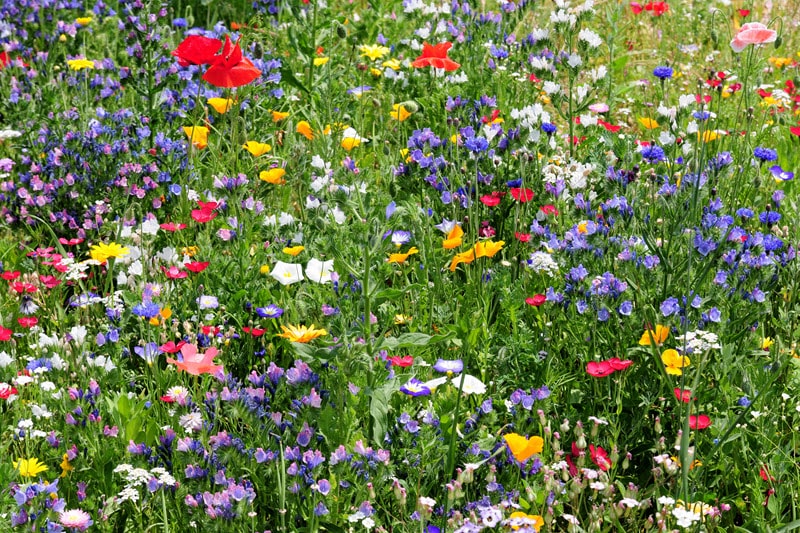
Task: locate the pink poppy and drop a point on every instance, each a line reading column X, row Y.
column 196, row 363
column 491, row 200
column 172, row 226
column 618, row 364
column 699, row 421
column 683, row 395
column 49, row 281
column 5, row 334
column 752, row 33
column 599, row 369
column 174, row 272
column 27, row 321
column 171, row 347
column 536, row 300
column 402, row 362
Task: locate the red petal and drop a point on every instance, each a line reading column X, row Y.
column 240, row 74
column 522, row 195
column 197, row 50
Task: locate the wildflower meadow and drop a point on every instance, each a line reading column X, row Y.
column 423, row 266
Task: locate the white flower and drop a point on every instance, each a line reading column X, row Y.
column 685, row 100
column 78, row 334
column 472, row 385
column 287, row 273
column 685, row 518
column 597, row 485
column 666, row 500
column 5, row 359
column 574, row 60
column 319, row 271
column 285, row 219
column 434, row 383
column 191, row 422
column 339, row 216
column 628, row 502
column 150, row 226
column 589, row 37
column 551, row 88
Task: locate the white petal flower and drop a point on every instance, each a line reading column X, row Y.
column 319, row 271
column 287, row 273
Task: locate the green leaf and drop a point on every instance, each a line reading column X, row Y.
column 288, row 76
column 406, row 340
column 379, row 408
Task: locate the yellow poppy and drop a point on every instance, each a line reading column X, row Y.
column 319, row 61
column 80, row 64
column 198, row 136
column 453, row 239
column 83, row 21
column 648, row 123
column 674, row 362
column 304, row 129
column 523, row 448
column 463, row 257
column 659, row 335
column 301, row 333
column 399, row 112
column 401, row 258
column 488, row 248
column 264, row 269
column 273, row 176
column 536, row 520
column 220, row 105
column 294, row 250
column 29, row 467
column 348, row 143
column 256, row 148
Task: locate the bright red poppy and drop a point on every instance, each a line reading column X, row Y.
column 20, row 287
column 7, row 391
column 599, row 369
column 27, row 321
column 403, row 362
column 203, row 215
column 435, row 56
column 492, row 199
column 608, row 126
column 196, row 266
column 522, row 195
column 255, row 332
column 231, row 69
column 5, row 334
column 197, row 50
column 795, row 130
column 699, row 421
column 536, row 300
column 523, row 237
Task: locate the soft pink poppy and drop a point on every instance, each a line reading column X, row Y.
column 752, row 33
column 196, row 363
column 618, row 364
column 699, row 421
column 599, row 369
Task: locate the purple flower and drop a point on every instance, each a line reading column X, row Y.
column 449, row 366
column 270, row 311
column 415, row 387
column 662, row 72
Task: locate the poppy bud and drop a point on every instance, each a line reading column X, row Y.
column 341, row 31
column 715, row 38
column 778, row 42
column 258, row 51
column 410, row 105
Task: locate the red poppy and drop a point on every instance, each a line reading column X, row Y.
column 255, row 332
column 522, row 237
column 657, row 8
column 231, row 69
column 203, row 215
column 209, row 330
column 403, row 362
column 5, row 334
column 765, row 475
column 683, row 395
column 19, row 287
column 197, row 50
column 699, row 421
column 599, row 457
column 173, row 272
column 492, row 199
column 4, row 59
column 744, row 12
column 9, row 275
column 795, row 130
column 608, row 126
column 492, row 118
column 702, row 98
column 533, row 79
column 196, row 266
column 435, row 56
column 27, row 321
column 536, row 300
column 172, row 226
column 599, row 369
column 618, row 364
column 522, row 195
column 171, row 347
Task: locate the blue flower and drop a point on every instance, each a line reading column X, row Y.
column 455, row 366
column 653, row 154
column 662, row 72
column 270, row 311
column 765, row 154
column 415, row 387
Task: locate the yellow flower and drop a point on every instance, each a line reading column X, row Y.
column 399, row 112
column 708, row 136
column 766, row 342
column 301, row 333
column 453, row 239
column 273, row 176
column 102, row 252
column 659, row 335
column 264, row 270
column 401, row 258
column 304, row 129
column 277, row 116
column 348, row 143
column 376, row 72
column 535, row 520
column 648, row 123
column 523, row 448
column 256, row 148
column 83, row 21
column 674, row 362
column 189, row 251
column 488, row 248
column 161, row 317
column 294, row 250
column 66, row 466
column 400, row 319
column 198, row 136
column 780, row 62
column 220, row 105
column 373, row 51
column 463, row 257
column 393, row 64
column 319, row 61
column 80, row 64
column 29, row 467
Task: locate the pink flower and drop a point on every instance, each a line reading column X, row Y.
column 599, row 457
column 196, row 363
column 75, row 519
column 699, row 421
column 599, row 369
column 752, row 33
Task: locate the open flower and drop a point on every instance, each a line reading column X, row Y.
column 401, row 258
column 230, row 69
column 399, row 112
column 103, row 252
column 674, row 362
column 257, row 148
column 80, row 64
column 415, row 387
column 699, row 421
column 75, row 519
column 29, row 467
column 287, row 273
column 319, row 271
column 435, row 56
column 197, row 50
column 198, row 136
column 523, row 448
column 657, row 335
column 221, row 105
column 301, row 334
column 753, row 33
column 274, row 176
column 196, row 363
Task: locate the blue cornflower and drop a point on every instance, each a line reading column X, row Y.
column 662, row 72
column 549, row 128
column 476, row 144
column 653, row 154
column 701, row 115
column 744, row 401
column 146, row 309
column 765, row 154
column 769, row 217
